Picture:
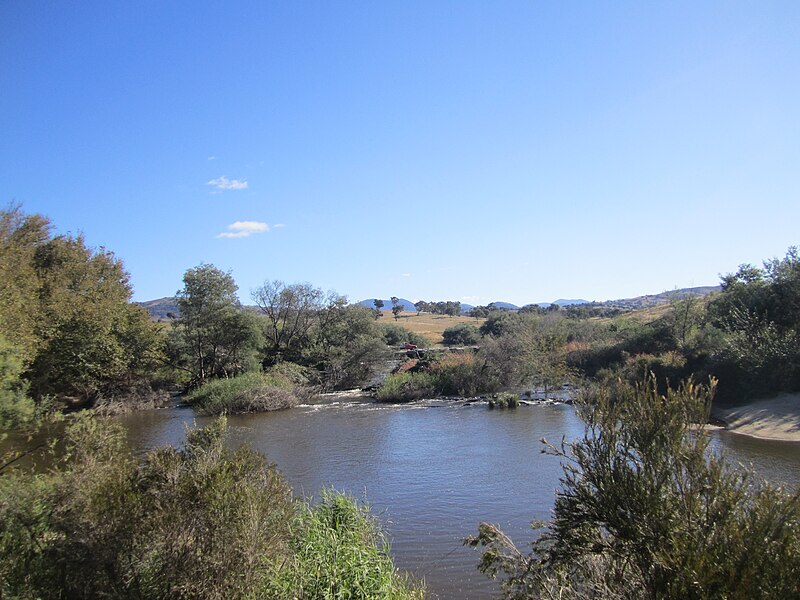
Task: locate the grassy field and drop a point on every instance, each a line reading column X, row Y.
column 428, row 325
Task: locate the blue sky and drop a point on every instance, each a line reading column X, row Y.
column 474, row 151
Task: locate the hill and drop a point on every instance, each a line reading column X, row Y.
column 407, row 305
column 163, row 308
column 652, row 300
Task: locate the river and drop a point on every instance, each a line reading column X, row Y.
column 431, row 471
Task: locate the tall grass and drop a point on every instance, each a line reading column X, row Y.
column 250, row 392
column 339, row 551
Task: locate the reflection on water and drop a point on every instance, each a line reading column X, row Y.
column 431, row 471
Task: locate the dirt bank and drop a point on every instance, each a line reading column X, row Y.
column 776, row 418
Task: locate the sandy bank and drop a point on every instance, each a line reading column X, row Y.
column 776, row 419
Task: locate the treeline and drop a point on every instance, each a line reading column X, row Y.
column 69, row 335
column 747, row 336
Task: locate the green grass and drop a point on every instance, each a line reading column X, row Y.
column 247, row 393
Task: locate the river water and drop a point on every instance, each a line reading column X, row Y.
column 431, row 471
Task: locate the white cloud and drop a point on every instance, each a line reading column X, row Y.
column 212, row 158
column 470, row 299
column 278, row 225
column 223, row 183
column 406, row 274
column 242, row 229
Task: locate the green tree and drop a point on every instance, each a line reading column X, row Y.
column 397, row 307
column 214, row 337
column 378, row 308
column 21, row 236
column 463, row 334
column 291, row 312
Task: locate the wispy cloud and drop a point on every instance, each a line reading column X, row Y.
column 278, row 225
column 223, row 183
column 470, row 298
column 406, row 274
column 243, row 229
column 212, row 158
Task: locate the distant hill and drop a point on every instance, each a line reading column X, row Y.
column 504, row 305
column 563, row 302
column 161, row 308
column 650, row 300
column 407, row 305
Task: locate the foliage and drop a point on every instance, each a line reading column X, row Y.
column 504, row 400
column 403, row 387
column 65, row 310
column 200, row 522
column 397, row 335
column 463, row 334
column 397, row 307
column 339, row 551
column 290, row 311
column 646, row 510
column 449, row 307
column 348, row 347
column 249, row 392
column 214, row 337
column 16, row 408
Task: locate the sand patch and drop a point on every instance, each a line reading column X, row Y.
column 775, row 419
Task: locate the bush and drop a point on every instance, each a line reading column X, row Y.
column 397, row 335
column 646, row 510
column 403, row 387
column 17, row 410
column 250, row 392
column 463, row 334
column 201, row 522
column 504, row 400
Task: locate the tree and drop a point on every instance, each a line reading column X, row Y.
column 378, row 308
column 397, row 308
column 462, row 334
column 64, row 308
column 478, row 312
column 216, row 336
column 291, row 311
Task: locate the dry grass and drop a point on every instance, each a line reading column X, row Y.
column 428, row 325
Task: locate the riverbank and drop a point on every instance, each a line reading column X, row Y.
column 774, row 419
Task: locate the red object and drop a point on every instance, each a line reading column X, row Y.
column 410, row 347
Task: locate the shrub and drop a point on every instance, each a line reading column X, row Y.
column 250, row 392
column 17, row 410
column 646, row 510
column 463, row 334
column 504, row 400
column 396, row 335
column 403, row 387
column 457, row 375
column 201, row 522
